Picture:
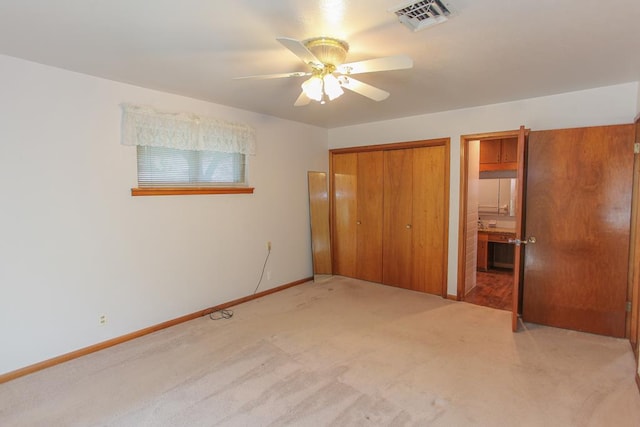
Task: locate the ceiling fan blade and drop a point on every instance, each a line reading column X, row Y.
column 398, row 62
column 274, row 76
column 364, row 89
column 301, row 51
column 302, row 100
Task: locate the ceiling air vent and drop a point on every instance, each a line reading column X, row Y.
column 418, row 15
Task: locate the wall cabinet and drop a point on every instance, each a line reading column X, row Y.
column 499, row 154
column 390, row 210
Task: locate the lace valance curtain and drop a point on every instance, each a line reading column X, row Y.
column 146, row 126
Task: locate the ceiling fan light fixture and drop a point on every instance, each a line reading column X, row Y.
column 329, row 75
column 332, row 87
column 313, row 88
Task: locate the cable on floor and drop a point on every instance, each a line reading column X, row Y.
column 221, row 314
column 228, row 314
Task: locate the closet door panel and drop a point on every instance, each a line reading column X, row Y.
column 345, row 169
column 369, row 217
column 397, row 230
column 429, row 239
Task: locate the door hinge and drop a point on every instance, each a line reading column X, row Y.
column 628, row 308
column 636, row 148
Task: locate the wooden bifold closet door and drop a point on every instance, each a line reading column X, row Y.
column 358, row 220
column 390, row 215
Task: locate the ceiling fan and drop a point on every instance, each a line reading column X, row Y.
column 329, row 75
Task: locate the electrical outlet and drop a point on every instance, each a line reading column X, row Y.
column 269, row 245
column 102, row 319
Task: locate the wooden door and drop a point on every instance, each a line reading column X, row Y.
column 369, row 216
column 578, row 204
column 429, row 239
column 344, row 170
column 398, row 211
column 633, row 290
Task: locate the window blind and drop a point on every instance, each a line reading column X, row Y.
column 170, row 167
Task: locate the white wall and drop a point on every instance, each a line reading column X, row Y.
column 74, row 244
column 602, row 106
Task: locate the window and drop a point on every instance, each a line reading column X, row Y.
column 187, row 154
column 170, row 167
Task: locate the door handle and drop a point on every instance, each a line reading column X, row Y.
column 358, row 222
column 408, row 226
column 519, row 242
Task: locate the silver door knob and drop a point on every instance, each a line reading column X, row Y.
column 519, row 242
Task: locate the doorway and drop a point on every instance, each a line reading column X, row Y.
column 577, row 207
column 488, row 219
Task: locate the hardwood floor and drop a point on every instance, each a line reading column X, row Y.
column 493, row 289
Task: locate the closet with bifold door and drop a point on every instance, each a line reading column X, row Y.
column 390, row 214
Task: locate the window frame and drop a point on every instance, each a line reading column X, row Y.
column 188, row 191
column 195, row 188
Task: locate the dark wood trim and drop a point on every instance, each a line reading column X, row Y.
column 633, row 292
column 464, row 185
column 137, row 334
column 188, row 191
column 493, row 135
column 447, row 204
column 392, row 146
column 256, row 296
column 462, row 217
column 633, row 277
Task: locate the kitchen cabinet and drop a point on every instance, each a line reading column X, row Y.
column 498, row 154
column 494, row 249
column 390, row 209
column 483, row 251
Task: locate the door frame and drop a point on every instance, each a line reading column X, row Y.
column 464, row 189
column 633, row 289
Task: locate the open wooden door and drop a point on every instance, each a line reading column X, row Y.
column 516, row 307
column 578, row 206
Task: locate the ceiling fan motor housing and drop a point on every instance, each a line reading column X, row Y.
column 328, row 50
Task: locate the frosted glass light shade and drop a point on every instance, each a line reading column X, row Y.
column 313, row 88
column 332, row 87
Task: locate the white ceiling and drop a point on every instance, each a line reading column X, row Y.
column 490, row 50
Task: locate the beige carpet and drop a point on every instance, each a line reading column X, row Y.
column 342, row 352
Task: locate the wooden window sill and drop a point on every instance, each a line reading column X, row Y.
column 188, row 191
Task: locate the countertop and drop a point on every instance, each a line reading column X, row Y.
column 497, row 230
